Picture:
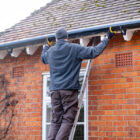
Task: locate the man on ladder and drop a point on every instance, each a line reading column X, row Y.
column 65, row 60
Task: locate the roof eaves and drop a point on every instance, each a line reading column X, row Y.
column 130, row 24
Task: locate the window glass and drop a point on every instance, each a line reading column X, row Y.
column 81, row 115
column 79, row 133
column 48, row 90
column 47, row 130
column 48, row 115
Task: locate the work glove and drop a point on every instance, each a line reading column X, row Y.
column 110, row 33
column 50, row 41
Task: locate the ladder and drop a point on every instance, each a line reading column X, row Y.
column 82, row 91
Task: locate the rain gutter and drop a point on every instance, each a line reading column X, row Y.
column 78, row 33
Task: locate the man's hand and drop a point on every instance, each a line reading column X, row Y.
column 50, row 41
column 110, row 33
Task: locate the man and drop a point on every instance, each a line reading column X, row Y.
column 64, row 60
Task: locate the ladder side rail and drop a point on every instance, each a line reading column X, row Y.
column 82, row 91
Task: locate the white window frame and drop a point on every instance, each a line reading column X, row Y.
column 47, row 100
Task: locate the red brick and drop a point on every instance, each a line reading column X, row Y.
column 131, row 101
column 124, row 85
column 111, row 118
column 137, row 57
column 137, row 134
column 130, row 96
column 98, row 123
column 98, row 112
column 109, row 134
column 110, row 86
column 118, row 91
column 93, row 128
column 120, row 101
column 136, row 68
column 137, row 101
column 127, row 43
column 130, row 106
column 120, row 112
column 110, row 107
column 120, row 123
column 137, row 112
column 120, row 128
column 104, row 97
column 129, row 117
column 129, row 79
column 137, row 63
column 138, row 123
column 108, row 112
column 120, row 134
column 107, row 128
column 131, row 112
column 137, row 40
column 132, row 138
column 108, row 123
column 37, row 137
column 129, row 74
column 92, row 118
column 136, row 79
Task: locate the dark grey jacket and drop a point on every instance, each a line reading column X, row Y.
column 65, row 60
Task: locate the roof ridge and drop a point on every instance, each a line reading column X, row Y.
column 31, row 14
column 43, row 7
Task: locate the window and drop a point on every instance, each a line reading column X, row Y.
column 81, row 132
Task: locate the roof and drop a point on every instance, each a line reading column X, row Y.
column 72, row 14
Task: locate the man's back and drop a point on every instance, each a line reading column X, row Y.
column 64, row 66
column 65, row 60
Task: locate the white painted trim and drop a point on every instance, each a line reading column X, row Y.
column 44, row 108
column 47, row 100
column 84, row 41
column 30, row 50
column 128, row 35
column 3, row 54
column 16, row 52
column 86, row 113
column 102, row 37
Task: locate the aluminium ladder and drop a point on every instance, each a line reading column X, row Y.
column 82, row 91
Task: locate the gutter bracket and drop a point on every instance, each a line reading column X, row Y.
column 3, row 54
column 84, row 41
column 31, row 49
column 16, row 52
column 128, row 36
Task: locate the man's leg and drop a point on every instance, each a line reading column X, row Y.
column 70, row 106
column 57, row 112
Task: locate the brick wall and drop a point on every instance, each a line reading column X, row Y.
column 114, row 92
column 24, row 75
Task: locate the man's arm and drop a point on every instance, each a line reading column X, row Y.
column 44, row 54
column 91, row 52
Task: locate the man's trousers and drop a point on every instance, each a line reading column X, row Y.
column 64, row 109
